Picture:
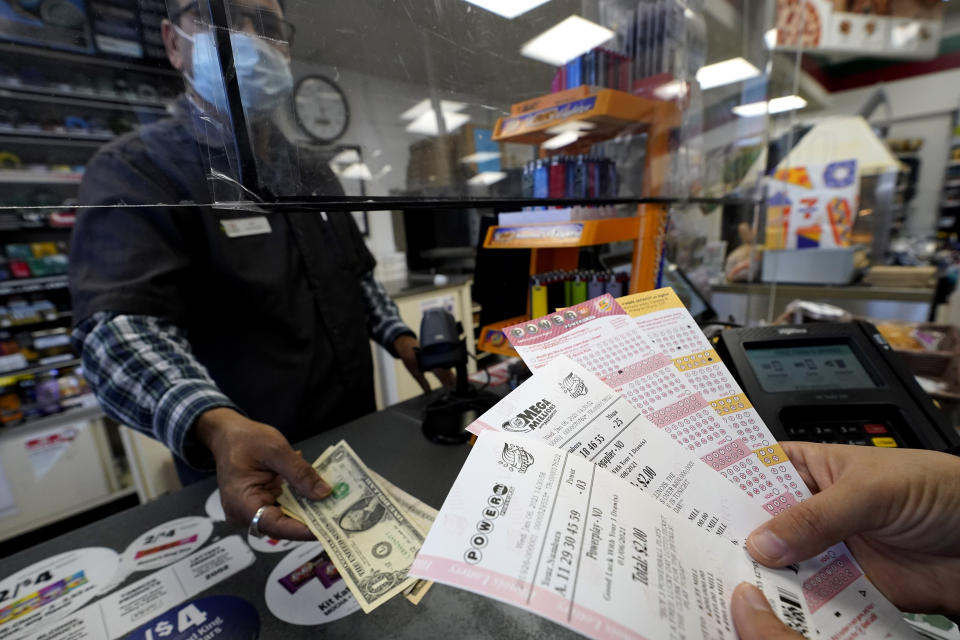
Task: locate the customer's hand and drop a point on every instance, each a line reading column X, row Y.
column 897, row 509
column 754, row 619
column 253, row 460
column 405, row 346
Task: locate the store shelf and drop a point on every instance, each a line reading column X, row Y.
column 55, row 136
column 29, row 285
column 80, row 99
column 562, row 234
column 59, row 419
column 29, row 371
column 160, row 69
column 16, row 138
column 608, row 110
column 23, row 176
column 493, row 340
column 951, row 184
column 63, row 315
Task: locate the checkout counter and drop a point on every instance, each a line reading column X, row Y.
column 820, row 383
column 391, row 443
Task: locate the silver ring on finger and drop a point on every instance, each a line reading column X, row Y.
column 254, row 529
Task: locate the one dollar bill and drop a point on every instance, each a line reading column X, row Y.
column 367, row 533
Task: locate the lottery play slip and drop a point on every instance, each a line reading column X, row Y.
column 591, row 496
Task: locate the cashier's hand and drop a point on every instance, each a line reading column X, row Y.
column 253, row 460
column 897, row 509
column 404, row 347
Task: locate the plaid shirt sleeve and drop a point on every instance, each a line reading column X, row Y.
column 145, row 376
column 383, row 318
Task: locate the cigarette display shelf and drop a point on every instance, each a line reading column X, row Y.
column 68, row 97
column 55, row 137
column 53, row 56
column 31, row 285
column 24, row 176
column 42, row 368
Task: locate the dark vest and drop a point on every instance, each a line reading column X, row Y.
column 278, row 319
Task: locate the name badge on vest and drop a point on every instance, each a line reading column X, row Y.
column 241, row 227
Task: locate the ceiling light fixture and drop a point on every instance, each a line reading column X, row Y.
column 480, row 157
column 671, row 90
column 726, row 72
column 770, row 38
column 509, row 9
column 357, row 171
column 777, row 105
column 425, row 106
column 428, row 123
column 566, row 40
column 576, row 126
column 486, row 178
column 562, row 140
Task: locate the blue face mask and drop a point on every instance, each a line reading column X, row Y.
column 262, row 72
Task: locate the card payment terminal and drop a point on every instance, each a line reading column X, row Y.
column 838, row 383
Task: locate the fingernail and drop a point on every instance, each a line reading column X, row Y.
column 754, row 597
column 322, row 489
column 768, row 544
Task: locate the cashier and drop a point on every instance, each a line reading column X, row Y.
column 226, row 346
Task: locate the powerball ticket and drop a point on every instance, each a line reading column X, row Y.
column 598, row 333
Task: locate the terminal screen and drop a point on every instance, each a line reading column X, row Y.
column 830, row 366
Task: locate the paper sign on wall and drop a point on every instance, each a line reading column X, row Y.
column 813, row 206
column 45, row 448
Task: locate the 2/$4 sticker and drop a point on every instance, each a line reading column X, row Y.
column 167, row 543
column 306, row 589
column 266, row 544
column 50, row 589
column 220, row 617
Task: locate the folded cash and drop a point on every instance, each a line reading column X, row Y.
column 371, row 533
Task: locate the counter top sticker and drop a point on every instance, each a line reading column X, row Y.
column 221, row 617
column 306, row 589
column 158, row 594
column 50, row 589
column 167, row 543
column 214, row 509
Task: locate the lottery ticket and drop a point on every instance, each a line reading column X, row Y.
column 598, row 334
column 751, row 457
column 727, row 434
column 565, row 406
column 547, row 531
column 736, row 424
column 594, row 335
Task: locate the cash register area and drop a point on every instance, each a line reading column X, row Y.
column 652, row 239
